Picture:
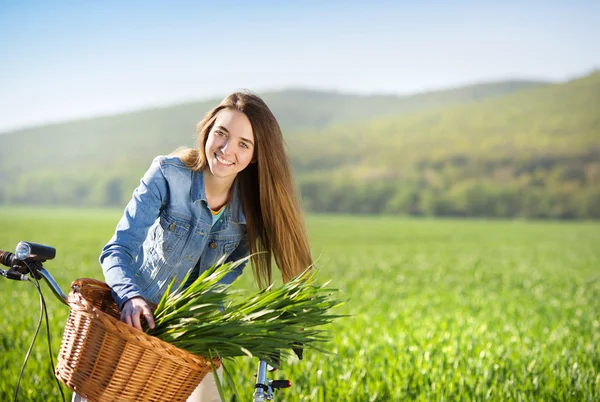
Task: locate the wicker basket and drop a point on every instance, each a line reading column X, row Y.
column 104, row 359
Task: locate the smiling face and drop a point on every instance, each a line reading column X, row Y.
column 230, row 144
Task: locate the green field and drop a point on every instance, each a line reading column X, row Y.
column 439, row 309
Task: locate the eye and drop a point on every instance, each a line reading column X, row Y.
column 220, row 133
column 244, row 145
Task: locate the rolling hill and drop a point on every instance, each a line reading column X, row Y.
column 451, row 152
column 533, row 153
column 130, row 140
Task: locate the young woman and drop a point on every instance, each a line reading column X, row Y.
column 230, row 196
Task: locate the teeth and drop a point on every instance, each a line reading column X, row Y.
column 223, row 161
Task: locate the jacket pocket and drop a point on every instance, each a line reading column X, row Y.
column 170, row 234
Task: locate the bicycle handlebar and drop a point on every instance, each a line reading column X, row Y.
column 18, row 270
column 27, row 259
column 7, row 259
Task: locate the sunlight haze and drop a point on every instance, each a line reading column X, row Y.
column 65, row 60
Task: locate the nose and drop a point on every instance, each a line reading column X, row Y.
column 225, row 147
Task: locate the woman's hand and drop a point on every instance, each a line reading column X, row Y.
column 133, row 310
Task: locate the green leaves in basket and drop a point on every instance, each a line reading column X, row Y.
column 208, row 319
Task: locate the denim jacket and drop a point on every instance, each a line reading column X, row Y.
column 166, row 230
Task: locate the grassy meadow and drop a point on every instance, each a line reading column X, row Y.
column 438, row 309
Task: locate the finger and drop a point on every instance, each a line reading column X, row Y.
column 136, row 319
column 126, row 312
column 128, row 320
column 149, row 318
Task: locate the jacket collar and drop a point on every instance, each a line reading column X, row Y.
column 234, row 212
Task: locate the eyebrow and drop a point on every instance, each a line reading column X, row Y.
column 227, row 131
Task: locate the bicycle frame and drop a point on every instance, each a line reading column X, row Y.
column 264, row 387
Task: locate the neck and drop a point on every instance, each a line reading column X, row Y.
column 217, row 189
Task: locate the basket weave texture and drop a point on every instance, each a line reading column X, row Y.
column 104, row 359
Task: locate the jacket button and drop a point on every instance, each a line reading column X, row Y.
column 172, row 226
column 212, row 245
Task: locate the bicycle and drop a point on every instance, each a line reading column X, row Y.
column 27, row 263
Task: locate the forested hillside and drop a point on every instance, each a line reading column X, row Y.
column 535, row 153
column 99, row 161
column 511, row 149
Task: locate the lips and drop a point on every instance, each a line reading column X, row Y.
column 223, row 161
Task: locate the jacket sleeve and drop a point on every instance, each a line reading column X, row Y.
column 121, row 252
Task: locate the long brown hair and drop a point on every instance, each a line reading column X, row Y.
column 274, row 220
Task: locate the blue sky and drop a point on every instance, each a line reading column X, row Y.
column 70, row 59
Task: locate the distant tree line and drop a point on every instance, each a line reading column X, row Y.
column 469, row 198
column 557, row 187
column 544, row 187
column 77, row 190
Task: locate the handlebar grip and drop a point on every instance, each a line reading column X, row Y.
column 6, row 258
